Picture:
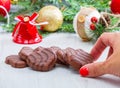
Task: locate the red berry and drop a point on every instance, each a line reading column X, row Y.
column 94, row 20
column 92, row 26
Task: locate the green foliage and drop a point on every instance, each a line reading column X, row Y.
column 66, row 27
column 111, row 28
column 98, row 31
column 69, row 9
column 114, row 20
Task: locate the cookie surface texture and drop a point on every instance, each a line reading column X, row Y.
column 15, row 61
column 42, row 60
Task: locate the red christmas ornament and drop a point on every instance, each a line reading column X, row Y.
column 6, row 5
column 94, row 20
column 115, row 6
column 92, row 26
column 25, row 31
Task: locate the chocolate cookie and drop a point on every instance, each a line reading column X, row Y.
column 38, row 48
column 68, row 52
column 55, row 50
column 15, row 61
column 43, row 60
column 87, row 56
column 25, row 52
column 61, row 54
column 78, row 58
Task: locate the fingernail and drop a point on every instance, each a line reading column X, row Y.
column 83, row 71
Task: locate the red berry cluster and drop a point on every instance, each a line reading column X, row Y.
column 92, row 25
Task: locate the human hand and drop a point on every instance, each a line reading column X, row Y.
column 112, row 63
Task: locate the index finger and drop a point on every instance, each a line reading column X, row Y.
column 106, row 39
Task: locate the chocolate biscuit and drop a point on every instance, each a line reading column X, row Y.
column 43, row 60
column 55, row 50
column 25, row 52
column 15, row 61
column 38, row 48
column 69, row 51
column 78, row 58
column 61, row 54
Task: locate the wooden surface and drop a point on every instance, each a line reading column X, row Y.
column 60, row 77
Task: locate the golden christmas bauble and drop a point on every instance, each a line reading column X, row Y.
column 52, row 15
column 14, row 1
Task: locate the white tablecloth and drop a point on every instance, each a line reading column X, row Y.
column 60, row 77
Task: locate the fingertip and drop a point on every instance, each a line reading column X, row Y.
column 93, row 70
column 84, row 71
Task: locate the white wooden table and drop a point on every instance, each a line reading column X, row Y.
column 60, row 77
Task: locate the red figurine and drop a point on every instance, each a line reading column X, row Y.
column 25, row 31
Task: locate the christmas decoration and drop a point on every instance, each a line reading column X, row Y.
column 84, row 22
column 94, row 20
column 6, row 12
column 53, row 16
column 90, row 24
column 25, row 31
column 6, row 5
column 69, row 9
column 115, row 6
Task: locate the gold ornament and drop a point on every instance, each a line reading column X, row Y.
column 14, row 1
column 52, row 15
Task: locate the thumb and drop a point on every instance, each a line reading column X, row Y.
column 93, row 69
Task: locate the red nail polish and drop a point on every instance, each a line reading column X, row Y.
column 83, row 71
